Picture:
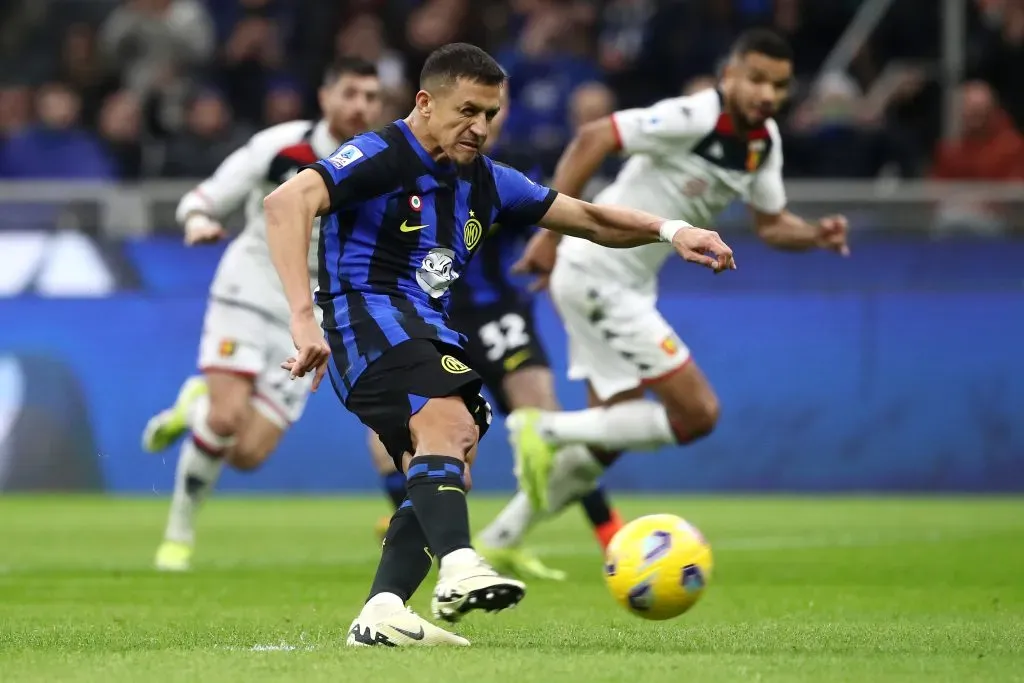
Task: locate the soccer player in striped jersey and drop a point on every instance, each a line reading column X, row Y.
column 402, row 211
column 494, row 309
column 241, row 405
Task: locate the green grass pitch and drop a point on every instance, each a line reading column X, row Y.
column 805, row 590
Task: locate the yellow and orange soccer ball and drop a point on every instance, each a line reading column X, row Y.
column 658, row 566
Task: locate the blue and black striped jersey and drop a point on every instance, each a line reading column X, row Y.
column 488, row 280
column 401, row 229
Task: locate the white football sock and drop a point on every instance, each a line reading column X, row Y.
column 632, row 425
column 574, row 474
column 196, row 474
column 511, row 524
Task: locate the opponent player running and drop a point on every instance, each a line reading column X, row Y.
column 403, row 210
column 496, row 314
column 243, row 403
column 690, row 156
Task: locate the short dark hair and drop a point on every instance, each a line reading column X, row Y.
column 453, row 61
column 763, row 41
column 344, row 66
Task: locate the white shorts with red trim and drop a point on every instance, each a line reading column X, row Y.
column 617, row 338
column 242, row 340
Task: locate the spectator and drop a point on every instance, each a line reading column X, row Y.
column 120, row 126
column 82, row 69
column 15, row 109
column 283, row 103
column 153, row 41
column 207, row 139
column 363, row 36
column 542, row 76
column 1003, row 55
column 590, row 102
column 989, row 148
column 57, row 147
column 251, row 57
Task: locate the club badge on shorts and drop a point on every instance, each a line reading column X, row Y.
column 453, row 365
column 670, row 345
column 227, row 348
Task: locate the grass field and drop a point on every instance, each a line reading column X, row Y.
column 805, row 590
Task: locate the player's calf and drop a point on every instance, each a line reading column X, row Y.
column 690, row 403
column 256, row 441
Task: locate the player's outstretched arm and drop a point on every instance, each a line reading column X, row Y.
column 199, row 211
column 619, row 227
column 290, row 211
column 790, row 232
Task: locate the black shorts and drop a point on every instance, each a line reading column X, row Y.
column 396, row 385
column 502, row 339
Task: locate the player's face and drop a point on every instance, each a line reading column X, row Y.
column 756, row 86
column 460, row 118
column 351, row 105
column 498, row 122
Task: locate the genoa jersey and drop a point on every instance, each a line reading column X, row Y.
column 487, row 280
column 400, row 231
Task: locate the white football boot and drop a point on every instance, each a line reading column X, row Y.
column 395, row 625
column 470, row 585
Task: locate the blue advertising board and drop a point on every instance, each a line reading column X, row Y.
column 900, row 369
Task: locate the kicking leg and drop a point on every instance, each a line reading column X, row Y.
column 215, row 421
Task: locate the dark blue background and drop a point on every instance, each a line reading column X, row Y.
column 901, row 368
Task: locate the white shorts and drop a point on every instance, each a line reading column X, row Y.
column 617, row 338
column 242, row 340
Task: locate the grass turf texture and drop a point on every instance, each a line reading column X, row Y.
column 815, row 590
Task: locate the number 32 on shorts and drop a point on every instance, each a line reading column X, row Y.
column 503, row 335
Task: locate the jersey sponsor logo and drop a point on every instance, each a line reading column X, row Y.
column 453, row 365
column 472, row 231
column 405, row 227
column 437, row 272
column 415, row 203
column 345, row 156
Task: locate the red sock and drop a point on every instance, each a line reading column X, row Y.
column 608, row 529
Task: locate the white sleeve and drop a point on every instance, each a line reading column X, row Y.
column 227, row 188
column 675, row 121
column 768, row 192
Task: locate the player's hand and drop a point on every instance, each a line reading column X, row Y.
column 312, row 348
column 538, row 259
column 832, row 234
column 704, row 247
column 200, row 229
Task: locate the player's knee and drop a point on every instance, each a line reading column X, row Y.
column 225, row 418
column 444, row 427
column 248, row 457
column 696, row 419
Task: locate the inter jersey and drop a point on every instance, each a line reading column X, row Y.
column 400, row 231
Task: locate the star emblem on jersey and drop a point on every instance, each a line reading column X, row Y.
column 472, row 231
column 453, row 365
column 405, row 227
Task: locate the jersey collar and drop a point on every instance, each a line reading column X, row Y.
column 446, row 167
column 321, row 140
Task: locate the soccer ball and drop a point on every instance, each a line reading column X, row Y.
column 657, row 566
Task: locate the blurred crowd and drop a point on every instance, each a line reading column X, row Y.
column 131, row 89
